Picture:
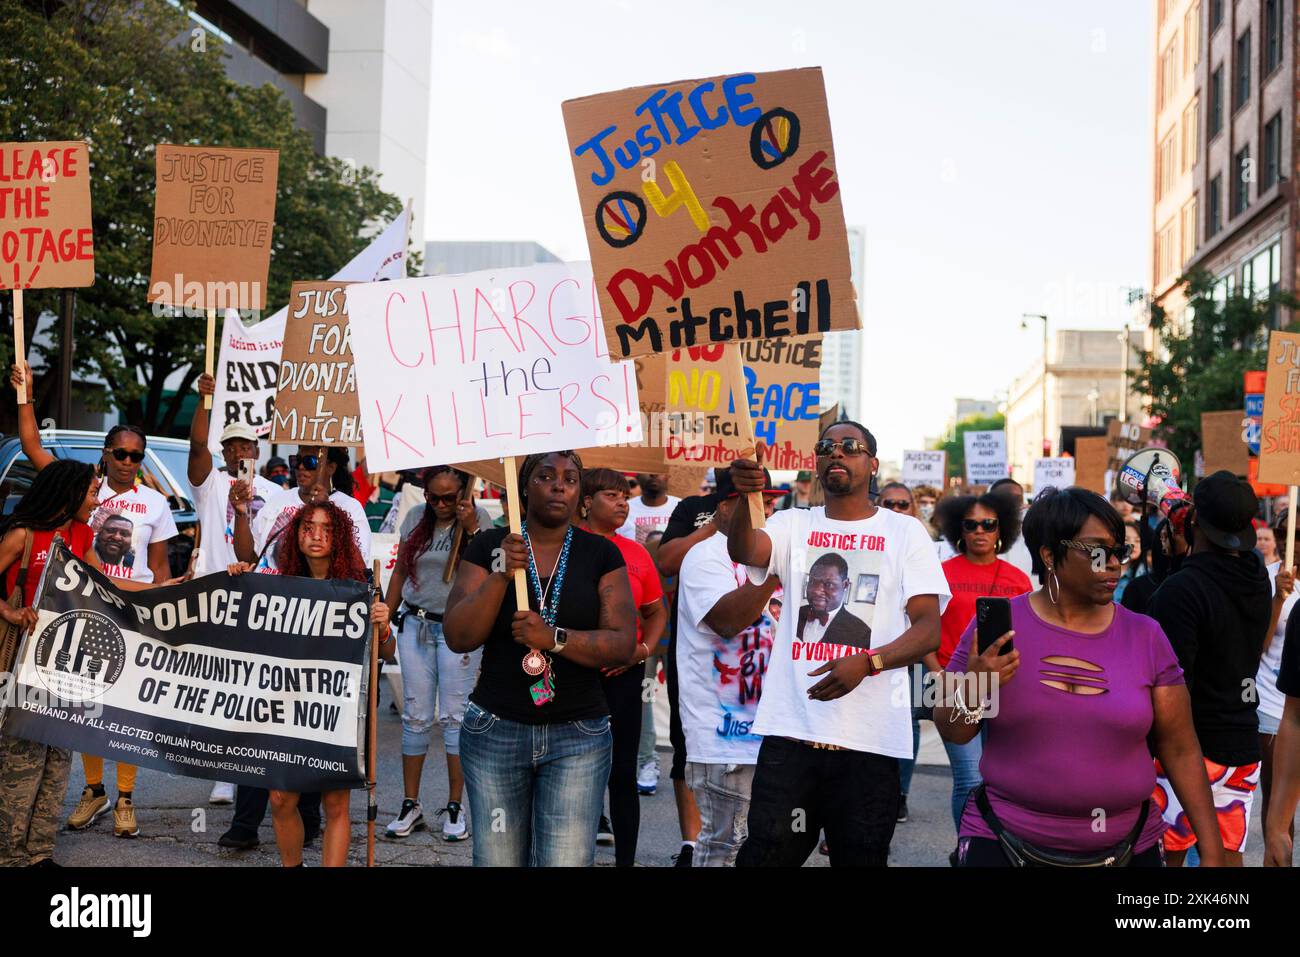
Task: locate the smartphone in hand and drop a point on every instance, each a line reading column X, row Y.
column 992, row 621
column 247, row 471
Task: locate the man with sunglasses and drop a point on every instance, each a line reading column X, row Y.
column 836, row 719
column 1216, row 611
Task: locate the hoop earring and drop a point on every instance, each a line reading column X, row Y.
column 1051, row 577
column 998, row 546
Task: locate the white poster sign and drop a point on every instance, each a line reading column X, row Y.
column 986, row 457
column 1058, row 473
column 925, row 468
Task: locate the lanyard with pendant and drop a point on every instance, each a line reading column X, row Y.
column 535, row 662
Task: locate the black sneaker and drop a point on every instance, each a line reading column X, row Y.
column 902, row 809
column 237, row 842
column 683, row 857
column 604, row 833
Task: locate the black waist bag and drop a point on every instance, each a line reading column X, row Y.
column 1021, row 853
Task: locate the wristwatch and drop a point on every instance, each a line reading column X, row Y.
column 875, row 663
column 560, row 640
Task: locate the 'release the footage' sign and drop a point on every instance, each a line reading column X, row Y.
column 46, row 240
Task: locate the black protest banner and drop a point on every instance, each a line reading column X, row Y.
column 255, row 679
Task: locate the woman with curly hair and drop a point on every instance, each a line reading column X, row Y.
column 979, row 528
column 320, row 543
column 432, row 674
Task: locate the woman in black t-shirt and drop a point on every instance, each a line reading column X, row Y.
column 535, row 741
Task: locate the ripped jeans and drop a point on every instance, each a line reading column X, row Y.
column 433, row 674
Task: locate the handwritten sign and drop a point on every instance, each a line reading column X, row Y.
column 46, row 240
column 1053, row 473
column 648, row 455
column 707, row 412
column 214, row 211
column 712, row 210
column 485, row 364
column 925, row 467
column 783, row 382
column 986, row 457
column 1090, row 457
column 1223, row 442
column 1279, row 448
column 316, row 398
column 1122, row 440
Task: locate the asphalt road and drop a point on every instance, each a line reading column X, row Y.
column 179, row 828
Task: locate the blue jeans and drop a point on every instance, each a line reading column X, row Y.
column 535, row 790
column 432, row 673
column 965, row 761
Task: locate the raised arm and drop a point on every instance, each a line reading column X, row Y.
column 28, row 433
column 744, row 543
column 200, row 461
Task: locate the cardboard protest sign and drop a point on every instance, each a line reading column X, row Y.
column 685, row 480
column 925, row 467
column 707, row 412
column 986, row 457
column 247, row 372
column 1122, row 440
column 1090, row 456
column 316, row 398
column 214, row 211
column 1223, row 442
column 1279, row 448
column 486, row 364
column 46, row 240
column 1053, row 473
column 712, row 210
column 783, row 384
column 648, row 455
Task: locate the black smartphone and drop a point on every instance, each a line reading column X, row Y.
column 992, row 621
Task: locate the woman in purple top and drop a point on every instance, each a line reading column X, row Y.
column 1066, row 764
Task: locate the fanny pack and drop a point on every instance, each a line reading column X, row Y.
column 1022, row 853
column 419, row 613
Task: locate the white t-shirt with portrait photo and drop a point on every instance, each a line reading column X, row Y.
column 865, row 573
column 125, row 525
column 217, row 518
column 279, row 511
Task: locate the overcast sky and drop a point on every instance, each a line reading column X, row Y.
column 998, row 155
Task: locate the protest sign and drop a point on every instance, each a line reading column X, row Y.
column 248, row 371
column 783, row 383
column 1090, row 456
column 1279, row 448
column 46, row 239
column 485, row 364
column 685, row 480
column 986, row 457
column 1223, row 442
column 214, row 210
column 1053, row 473
column 925, row 467
column 1122, row 440
column 646, row 456
column 383, row 549
column 707, row 412
column 712, row 210
column 255, row 679
column 316, row 401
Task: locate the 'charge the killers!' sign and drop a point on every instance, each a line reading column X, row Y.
column 712, row 210
column 46, row 239
column 255, row 679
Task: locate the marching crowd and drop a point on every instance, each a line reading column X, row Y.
column 1146, row 690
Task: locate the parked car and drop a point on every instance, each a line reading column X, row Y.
column 164, row 468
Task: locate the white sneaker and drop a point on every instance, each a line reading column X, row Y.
column 222, row 793
column 454, row 827
column 647, row 777
column 410, row 818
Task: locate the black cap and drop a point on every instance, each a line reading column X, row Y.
column 275, row 461
column 1225, row 510
column 726, row 489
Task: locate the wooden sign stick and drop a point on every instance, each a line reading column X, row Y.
column 20, row 345
column 757, row 516
column 467, row 493
column 208, row 356
column 1290, row 528
column 372, row 737
column 516, row 528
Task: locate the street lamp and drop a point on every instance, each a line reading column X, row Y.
column 1124, row 340
column 1093, row 395
column 1047, row 449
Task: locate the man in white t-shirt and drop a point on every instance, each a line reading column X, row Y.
column 836, row 718
column 725, row 627
column 212, row 486
column 316, row 469
column 649, row 512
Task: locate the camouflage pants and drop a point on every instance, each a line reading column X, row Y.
column 33, row 781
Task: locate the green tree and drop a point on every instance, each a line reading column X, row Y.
column 124, row 77
column 955, row 446
column 1200, row 359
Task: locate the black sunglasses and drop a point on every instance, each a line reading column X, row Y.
column 123, row 454
column 897, row 504
column 988, row 524
column 308, row 462
column 851, row 446
column 432, row 499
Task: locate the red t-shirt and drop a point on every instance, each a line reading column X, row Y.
column 79, row 537
column 641, row 573
column 968, row 581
